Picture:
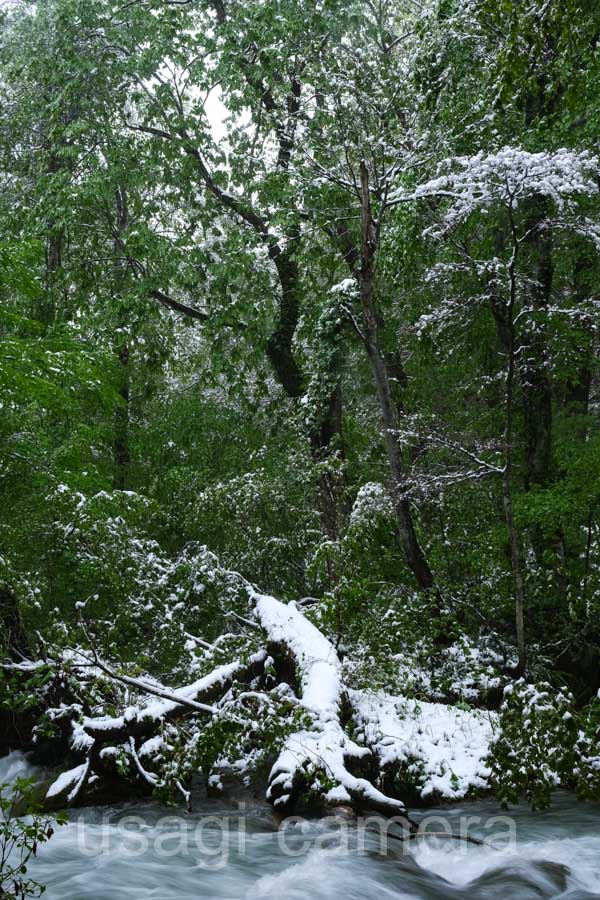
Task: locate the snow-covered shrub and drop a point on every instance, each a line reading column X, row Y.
column 400, row 660
column 260, row 523
column 472, row 669
column 587, row 752
column 108, row 582
column 533, row 752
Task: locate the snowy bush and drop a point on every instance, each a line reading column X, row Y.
column 257, row 522
column 587, row 752
column 533, row 752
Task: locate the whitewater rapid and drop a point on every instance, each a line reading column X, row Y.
column 142, row 850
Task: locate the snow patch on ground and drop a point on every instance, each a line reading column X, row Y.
column 443, row 747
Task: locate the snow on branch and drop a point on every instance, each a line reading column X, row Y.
column 506, row 178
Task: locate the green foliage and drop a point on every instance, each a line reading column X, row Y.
column 22, row 829
column 534, row 751
column 258, row 521
column 247, row 742
column 157, row 269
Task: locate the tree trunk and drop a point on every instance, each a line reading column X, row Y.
column 14, row 638
column 411, row 547
column 280, row 344
column 122, row 415
column 121, row 439
column 515, row 559
column 53, row 263
column 515, row 552
column 577, row 395
column 535, row 380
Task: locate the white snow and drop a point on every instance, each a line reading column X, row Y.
column 443, row 746
column 346, row 286
column 71, row 779
column 324, row 747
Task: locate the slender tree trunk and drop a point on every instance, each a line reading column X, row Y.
column 122, row 415
column 515, row 551
column 535, row 380
column 280, row 344
column 14, row 638
column 53, row 262
column 54, row 247
column 411, row 547
column 577, row 395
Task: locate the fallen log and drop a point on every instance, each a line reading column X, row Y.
column 282, row 702
column 318, row 764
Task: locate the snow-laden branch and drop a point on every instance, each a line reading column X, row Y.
column 505, row 178
column 90, row 734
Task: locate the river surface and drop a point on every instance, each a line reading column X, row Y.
column 141, row 850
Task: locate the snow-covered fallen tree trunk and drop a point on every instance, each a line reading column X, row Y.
column 326, row 745
column 318, row 758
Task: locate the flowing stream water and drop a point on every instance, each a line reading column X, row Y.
column 138, row 851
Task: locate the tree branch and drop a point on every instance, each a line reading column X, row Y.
column 178, row 306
